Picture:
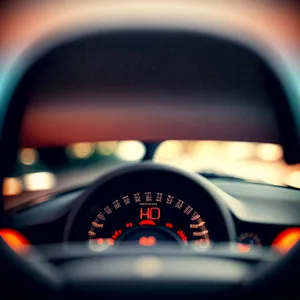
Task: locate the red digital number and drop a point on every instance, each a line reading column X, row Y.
column 150, row 213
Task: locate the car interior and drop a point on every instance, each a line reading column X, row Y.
column 150, row 148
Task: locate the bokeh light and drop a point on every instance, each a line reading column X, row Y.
column 130, row 150
column 12, row 186
column 28, row 156
column 169, row 150
column 251, row 161
column 269, row 152
column 106, row 148
column 39, row 181
column 259, row 162
column 239, row 150
column 81, row 150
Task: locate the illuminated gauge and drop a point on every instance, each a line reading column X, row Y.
column 147, row 219
column 286, row 239
column 247, row 241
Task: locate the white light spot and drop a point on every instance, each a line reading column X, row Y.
column 294, row 179
column 240, row 150
column 269, row 152
column 39, row 181
column 168, row 150
column 130, row 150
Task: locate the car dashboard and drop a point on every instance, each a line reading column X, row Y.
column 148, row 211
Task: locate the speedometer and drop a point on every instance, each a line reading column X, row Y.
column 146, row 205
column 147, row 219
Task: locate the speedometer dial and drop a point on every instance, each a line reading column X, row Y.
column 147, row 204
column 147, row 219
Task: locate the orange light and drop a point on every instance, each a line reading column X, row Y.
column 147, row 222
column 286, row 239
column 244, row 247
column 12, row 186
column 151, row 241
column 147, row 241
column 110, row 242
column 169, row 225
column 103, row 241
column 100, row 241
column 15, row 240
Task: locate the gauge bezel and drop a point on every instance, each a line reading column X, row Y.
column 147, row 176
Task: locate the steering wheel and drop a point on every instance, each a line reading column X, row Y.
column 54, row 272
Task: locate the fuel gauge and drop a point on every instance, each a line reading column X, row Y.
column 247, row 241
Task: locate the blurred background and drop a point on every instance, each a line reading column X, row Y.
column 40, row 172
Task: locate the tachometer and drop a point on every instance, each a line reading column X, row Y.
column 147, row 219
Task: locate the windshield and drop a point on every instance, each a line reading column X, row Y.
column 261, row 162
column 41, row 172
